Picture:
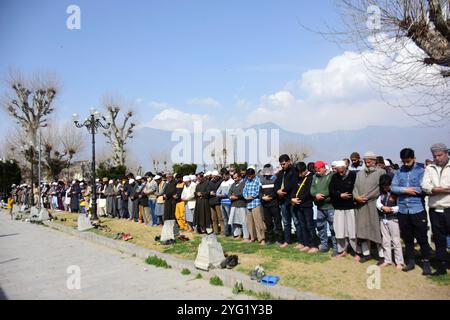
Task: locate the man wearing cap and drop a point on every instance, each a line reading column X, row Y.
column 436, row 183
column 75, row 192
column 388, row 167
column 101, row 197
column 270, row 206
column 188, row 196
column 151, row 189
column 133, row 200
column 365, row 193
column 412, row 217
column 144, row 210
column 111, row 204
column 341, row 194
column 325, row 211
column 214, row 202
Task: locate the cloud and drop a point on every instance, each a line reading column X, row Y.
column 159, row 105
column 338, row 97
column 208, row 102
column 344, row 78
column 172, row 119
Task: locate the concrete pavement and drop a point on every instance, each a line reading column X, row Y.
column 37, row 262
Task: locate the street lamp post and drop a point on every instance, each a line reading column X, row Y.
column 29, row 153
column 92, row 123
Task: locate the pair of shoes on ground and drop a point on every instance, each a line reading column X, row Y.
column 182, row 237
column 168, row 242
column 258, row 273
column 270, row 280
column 123, row 236
column 229, row 262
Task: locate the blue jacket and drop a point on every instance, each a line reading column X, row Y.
column 409, row 179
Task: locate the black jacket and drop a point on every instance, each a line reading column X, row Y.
column 213, row 186
column 338, row 185
column 290, row 181
column 268, row 189
column 304, row 194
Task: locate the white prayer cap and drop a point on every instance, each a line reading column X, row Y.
column 82, row 184
column 215, row 173
column 97, row 180
column 186, row 178
column 13, row 185
column 73, row 182
column 251, row 167
column 370, row 155
column 111, row 181
column 208, row 173
column 138, row 178
column 130, row 181
column 387, row 163
column 55, row 184
column 339, row 164
column 157, row 177
column 333, row 163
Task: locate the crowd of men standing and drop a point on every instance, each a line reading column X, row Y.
column 364, row 208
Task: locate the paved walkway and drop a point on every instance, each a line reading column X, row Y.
column 34, row 262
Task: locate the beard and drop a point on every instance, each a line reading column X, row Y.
column 408, row 168
column 441, row 163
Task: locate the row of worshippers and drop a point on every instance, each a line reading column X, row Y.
column 359, row 205
column 362, row 205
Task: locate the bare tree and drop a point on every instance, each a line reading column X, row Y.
column 405, row 45
column 296, row 151
column 121, row 129
column 30, row 101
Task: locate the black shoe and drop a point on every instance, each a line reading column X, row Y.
column 380, row 262
column 441, row 270
column 364, row 259
column 232, row 262
column 223, row 264
column 410, row 266
column 426, row 268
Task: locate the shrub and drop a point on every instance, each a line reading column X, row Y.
column 216, row 281
column 157, row 262
column 185, row 272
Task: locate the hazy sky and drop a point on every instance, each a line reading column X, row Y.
column 230, row 63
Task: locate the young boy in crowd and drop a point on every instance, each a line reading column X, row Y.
column 390, row 231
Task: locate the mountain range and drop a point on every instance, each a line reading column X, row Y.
column 150, row 143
